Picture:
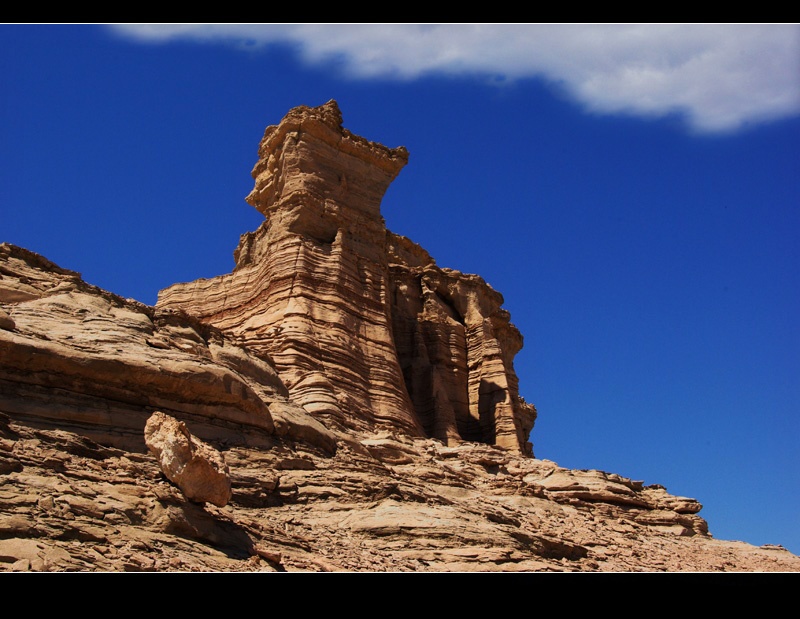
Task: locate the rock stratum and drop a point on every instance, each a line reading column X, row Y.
column 361, row 325
column 337, row 403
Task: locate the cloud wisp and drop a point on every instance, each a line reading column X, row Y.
column 720, row 77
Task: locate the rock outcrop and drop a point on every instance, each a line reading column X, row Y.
column 86, row 360
column 362, row 326
column 384, row 503
column 354, row 404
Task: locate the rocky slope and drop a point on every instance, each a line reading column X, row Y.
column 355, row 404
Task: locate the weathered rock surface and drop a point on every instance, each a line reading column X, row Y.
column 362, row 398
column 363, row 327
column 196, row 468
column 384, row 503
column 87, row 360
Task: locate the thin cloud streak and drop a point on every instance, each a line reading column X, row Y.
column 721, row 77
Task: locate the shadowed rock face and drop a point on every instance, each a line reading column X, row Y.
column 363, row 327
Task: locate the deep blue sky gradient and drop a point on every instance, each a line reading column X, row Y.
column 654, row 272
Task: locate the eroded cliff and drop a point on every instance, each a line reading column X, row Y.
column 363, row 327
column 356, row 405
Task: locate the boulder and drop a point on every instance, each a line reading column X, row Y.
column 195, row 467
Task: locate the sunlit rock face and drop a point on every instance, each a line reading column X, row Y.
column 389, row 438
column 84, row 359
column 364, row 329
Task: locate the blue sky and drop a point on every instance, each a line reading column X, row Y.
column 632, row 191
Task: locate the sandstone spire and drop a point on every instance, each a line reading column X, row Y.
column 363, row 327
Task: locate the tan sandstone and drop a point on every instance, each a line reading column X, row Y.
column 363, row 327
column 360, row 400
column 196, row 468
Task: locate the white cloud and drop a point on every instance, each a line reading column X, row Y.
column 721, row 76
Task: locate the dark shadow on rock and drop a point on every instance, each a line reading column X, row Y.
column 490, row 394
column 193, row 521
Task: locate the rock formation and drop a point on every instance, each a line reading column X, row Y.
column 363, row 327
column 360, row 401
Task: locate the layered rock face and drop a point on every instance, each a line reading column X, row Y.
column 363, row 327
column 79, row 358
column 337, row 403
column 125, row 428
column 456, row 347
